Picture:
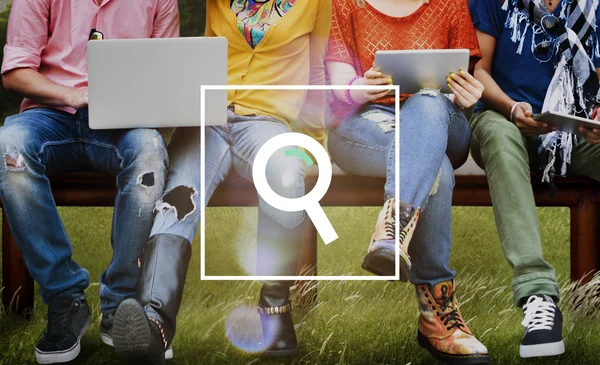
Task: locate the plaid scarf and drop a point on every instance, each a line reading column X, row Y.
column 574, row 88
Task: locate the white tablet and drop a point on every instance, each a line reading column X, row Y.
column 565, row 122
column 415, row 70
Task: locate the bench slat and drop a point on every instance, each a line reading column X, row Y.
column 90, row 189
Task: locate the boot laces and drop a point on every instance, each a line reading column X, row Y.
column 59, row 320
column 390, row 225
column 449, row 315
column 539, row 314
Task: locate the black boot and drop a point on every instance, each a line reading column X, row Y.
column 278, row 254
column 275, row 309
column 144, row 328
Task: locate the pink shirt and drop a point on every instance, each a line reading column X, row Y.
column 50, row 36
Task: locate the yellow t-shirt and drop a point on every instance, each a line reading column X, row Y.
column 292, row 52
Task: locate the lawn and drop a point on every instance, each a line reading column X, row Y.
column 352, row 322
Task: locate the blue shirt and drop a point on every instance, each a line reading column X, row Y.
column 521, row 76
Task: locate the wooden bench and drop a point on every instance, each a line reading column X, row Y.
column 579, row 194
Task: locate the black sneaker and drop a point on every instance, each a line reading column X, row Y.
column 543, row 328
column 106, row 328
column 68, row 320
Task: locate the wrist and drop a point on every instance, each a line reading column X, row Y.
column 513, row 108
column 348, row 93
column 504, row 108
column 67, row 97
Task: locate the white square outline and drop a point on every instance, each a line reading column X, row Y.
column 203, row 275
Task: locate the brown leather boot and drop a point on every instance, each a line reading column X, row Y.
column 443, row 331
column 381, row 257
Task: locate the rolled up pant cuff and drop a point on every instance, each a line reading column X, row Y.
column 537, row 283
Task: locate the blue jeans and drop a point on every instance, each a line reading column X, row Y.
column 232, row 146
column 44, row 141
column 434, row 137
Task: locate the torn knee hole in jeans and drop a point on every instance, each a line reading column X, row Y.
column 429, row 92
column 180, row 201
column 14, row 161
column 384, row 121
column 146, row 181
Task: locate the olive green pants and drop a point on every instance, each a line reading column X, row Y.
column 506, row 155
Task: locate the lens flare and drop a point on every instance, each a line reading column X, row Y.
column 244, row 331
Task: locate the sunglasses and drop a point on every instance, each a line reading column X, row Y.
column 553, row 29
column 96, row 35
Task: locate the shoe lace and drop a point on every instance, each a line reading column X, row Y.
column 449, row 315
column 539, row 314
column 59, row 320
column 390, row 225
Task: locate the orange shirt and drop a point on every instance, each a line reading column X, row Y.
column 357, row 33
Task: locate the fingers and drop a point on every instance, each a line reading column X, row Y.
column 372, row 95
column 469, row 83
column 379, row 81
column 387, row 82
column 523, row 121
column 526, row 108
column 590, row 135
column 528, row 126
column 463, row 97
column 522, row 114
column 595, row 114
column 528, row 131
column 532, row 131
column 374, row 77
column 372, row 73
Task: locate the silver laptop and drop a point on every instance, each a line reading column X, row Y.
column 415, row 70
column 154, row 83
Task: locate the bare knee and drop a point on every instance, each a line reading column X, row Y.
column 180, row 201
column 14, row 161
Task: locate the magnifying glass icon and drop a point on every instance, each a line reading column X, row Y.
column 310, row 201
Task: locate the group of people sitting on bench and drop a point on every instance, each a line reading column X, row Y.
column 526, row 56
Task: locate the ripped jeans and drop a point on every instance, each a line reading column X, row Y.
column 434, row 138
column 232, row 146
column 44, row 141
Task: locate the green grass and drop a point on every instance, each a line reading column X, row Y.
column 352, row 323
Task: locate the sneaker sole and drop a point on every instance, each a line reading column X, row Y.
column 542, row 350
column 66, row 355
column 107, row 340
column 131, row 333
column 449, row 358
column 382, row 262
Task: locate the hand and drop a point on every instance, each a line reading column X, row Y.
column 592, row 136
column 596, row 113
column 372, row 77
column 466, row 89
column 77, row 98
column 529, row 127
